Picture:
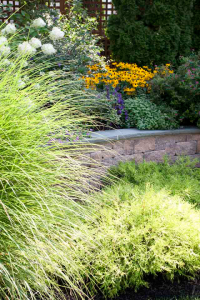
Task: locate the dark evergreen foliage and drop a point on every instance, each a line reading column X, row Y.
column 149, row 32
column 196, row 25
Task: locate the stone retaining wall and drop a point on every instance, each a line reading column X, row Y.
column 148, row 147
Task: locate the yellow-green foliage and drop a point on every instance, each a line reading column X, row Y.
column 180, row 178
column 137, row 234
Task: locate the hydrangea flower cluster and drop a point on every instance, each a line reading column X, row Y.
column 30, row 47
column 38, row 23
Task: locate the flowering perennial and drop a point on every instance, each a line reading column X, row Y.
column 130, row 75
column 39, row 23
column 9, row 29
column 3, row 40
column 56, row 34
column 48, row 49
column 26, row 49
column 35, row 43
column 29, row 47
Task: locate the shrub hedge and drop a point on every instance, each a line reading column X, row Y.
column 152, row 32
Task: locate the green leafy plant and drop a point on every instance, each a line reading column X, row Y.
column 180, row 90
column 143, row 114
column 77, row 49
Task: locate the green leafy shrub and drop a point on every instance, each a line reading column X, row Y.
column 180, row 178
column 196, row 26
column 150, row 32
column 140, row 234
column 180, row 90
column 143, row 114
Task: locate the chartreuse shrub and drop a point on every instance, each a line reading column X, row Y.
column 150, row 32
column 139, row 234
column 180, row 179
column 40, row 179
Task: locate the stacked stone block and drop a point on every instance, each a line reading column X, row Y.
column 153, row 148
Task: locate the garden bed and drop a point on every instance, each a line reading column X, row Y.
column 117, row 145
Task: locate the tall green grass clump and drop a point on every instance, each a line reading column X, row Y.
column 41, row 185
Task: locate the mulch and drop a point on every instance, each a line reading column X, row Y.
column 159, row 290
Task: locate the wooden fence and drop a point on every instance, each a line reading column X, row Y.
column 101, row 9
column 10, row 6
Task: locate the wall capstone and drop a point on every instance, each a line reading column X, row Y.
column 112, row 146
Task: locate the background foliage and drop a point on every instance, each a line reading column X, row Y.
column 151, row 32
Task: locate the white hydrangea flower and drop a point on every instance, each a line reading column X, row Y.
column 9, row 29
column 26, row 78
column 37, row 86
column 21, row 83
column 3, row 40
column 25, row 64
column 48, row 49
column 38, row 23
column 35, row 43
column 56, row 34
column 6, row 62
column 4, row 50
column 26, row 48
column 52, row 73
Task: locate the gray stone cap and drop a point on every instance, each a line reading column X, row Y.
column 121, row 134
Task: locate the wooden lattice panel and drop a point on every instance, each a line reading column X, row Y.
column 12, row 6
column 101, row 9
column 57, row 4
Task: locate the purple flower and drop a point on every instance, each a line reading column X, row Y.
column 107, row 92
column 59, row 65
column 60, row 141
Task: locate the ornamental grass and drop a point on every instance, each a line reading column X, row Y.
column 41, row 185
